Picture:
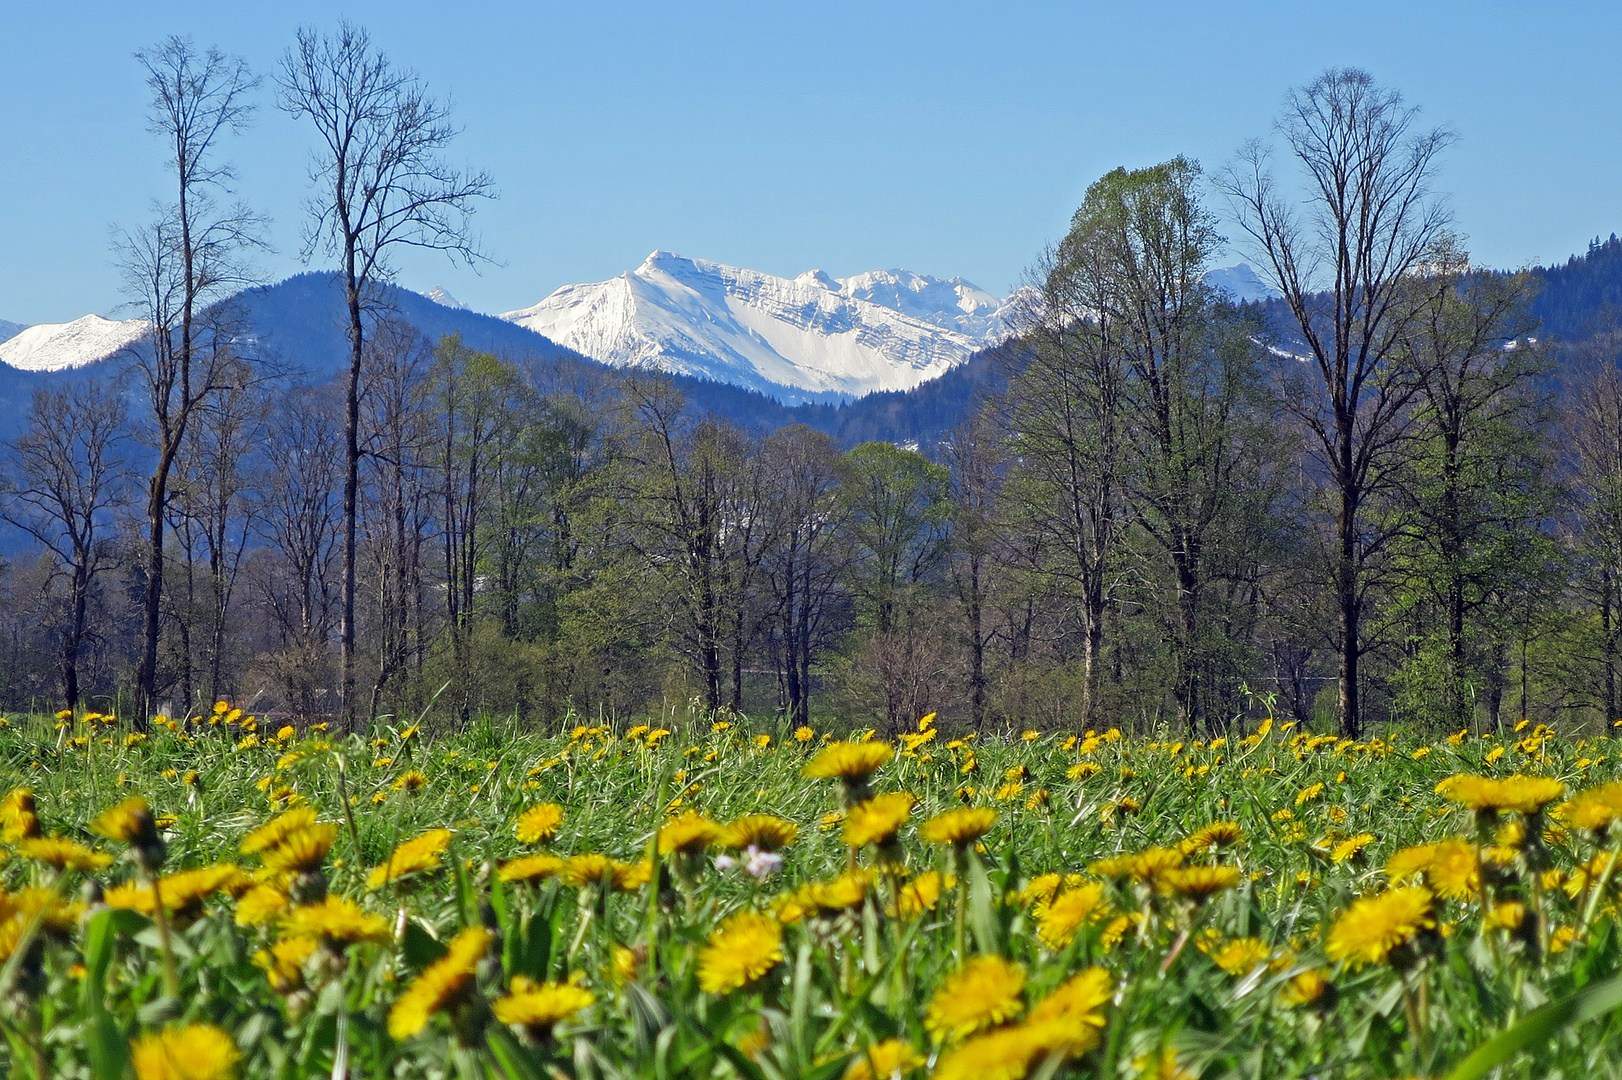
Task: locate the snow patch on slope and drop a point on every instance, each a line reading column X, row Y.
column 58, row 346
column 813, row 337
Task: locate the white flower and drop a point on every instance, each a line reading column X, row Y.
column 763, row 864
column 725, row 862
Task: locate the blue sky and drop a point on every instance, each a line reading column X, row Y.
column 942, row 137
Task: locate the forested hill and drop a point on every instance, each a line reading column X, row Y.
column 1582, row 296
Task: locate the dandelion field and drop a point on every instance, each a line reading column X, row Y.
column 725, row 899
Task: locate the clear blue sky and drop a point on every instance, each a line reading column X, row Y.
column 941, row 137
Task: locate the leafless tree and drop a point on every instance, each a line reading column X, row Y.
column 65, row 481
column 189, row 258
column 1348, row 258
column 381, row 185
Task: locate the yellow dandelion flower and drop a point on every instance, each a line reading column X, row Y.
column 1218, row 834
column 130, row 822
column 884, row 1061
column 261, row 905
column 335, row 919
column 539, row 1006
column 419, row 854
column 763, row 831
column 1239, row 956
column 1508, row 915
column 1595, row 809
column 983, row 993
column 743, row 949
column 17, row 819
column 271, row 833
column 876, row 820
column 1010, row 1053
column 689, row 832
column 440, row 984
column 411, row 781
column 1451, row 867
column 301, row 850
column 539, row 823
column 959, row 827
column 1197, row 882
column 803, row 734
column 183, row 891
column 1350, row 848
column 284, row 962
column 1060, row 921
column 1520, row 794
column 849, row 761
column 191, row 1052
column 530, row 868
column 1373, row 926
column 1080, row 998
column 922, row 894
column 62, row 853
column 1305, row 988
column 1309, row 793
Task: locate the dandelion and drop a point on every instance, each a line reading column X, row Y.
column 1350, row 848
column 1079, row 999
column 745, row 948
column 539, row 1006
column 763, row 831
column 17, row 819
column 273, row 831
column 337, row 920
column 1595, row 809
column 878, row 819
column 261, row 905
column 1197, row 883
column 1520, row 794
column 849, row 762
column 983, row 993
column 420, row 854
column 1240, row 955
column 539, row 823
column 959, row 827
column 191, row 1052
column 440, row 985
column 130, row 822
column 689, row 833
column 884, row 1061
column 183, row 892
column 1373, row 927
column 922, row 894
column 1060, row 921
column 411, row 781
column 1218, row 834
column 1304, row 989
column 530, row 868
column 62, row 853
column 302, row 850
column 1451, row 867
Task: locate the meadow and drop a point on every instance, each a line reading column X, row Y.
column 710, row 897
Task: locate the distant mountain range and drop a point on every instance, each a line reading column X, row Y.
column 889, row 355
column 809, row 338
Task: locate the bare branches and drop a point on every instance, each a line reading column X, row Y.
column 383, row 182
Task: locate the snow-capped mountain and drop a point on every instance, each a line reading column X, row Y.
column 809, row 338
column 439, row 296
column 58, row 346
column 1242, row 284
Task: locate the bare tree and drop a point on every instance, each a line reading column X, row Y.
column 1347, row 265
column 187, row 259
column 66, row 478
column 381, row 185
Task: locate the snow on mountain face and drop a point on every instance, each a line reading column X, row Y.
column 814, row 337
column 58, row 346
column 439, row 296
column 1242, row 284
column 9, row 330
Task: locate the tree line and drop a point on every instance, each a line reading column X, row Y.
column 1390, row 501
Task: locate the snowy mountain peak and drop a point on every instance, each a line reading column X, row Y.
column 1242, row 284
column 58, row 346
column 439, row 296
column 813, row 337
